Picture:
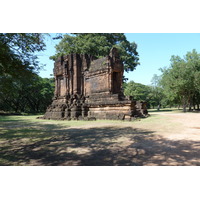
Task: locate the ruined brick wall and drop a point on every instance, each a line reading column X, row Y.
column 105, row 75
column 69, row 74
column 97, row 83
column 85, row 87
column 78, row 74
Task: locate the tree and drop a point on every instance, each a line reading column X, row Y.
column 156, row 93
column 17, row 52
column 38, row 94
column 181, row 80
column 21, row 89
column 139, row 91
column 98, row 45
column 25, row 95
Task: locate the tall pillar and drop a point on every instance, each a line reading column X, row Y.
column 75, row 86
column 56, row 87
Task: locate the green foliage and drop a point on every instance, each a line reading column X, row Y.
column 25, row 95
column 98, row 45
column 21, row 90
column 182, row 79
column 152, row 94
column 17, row 52
column 139, row 91
column 156, row 95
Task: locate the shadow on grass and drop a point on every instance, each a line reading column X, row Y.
column 50, row 144
column 55, row 146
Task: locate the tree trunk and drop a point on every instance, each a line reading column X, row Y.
column 184, row 107
column 185, row 103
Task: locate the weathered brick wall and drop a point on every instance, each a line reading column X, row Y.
column 97, row 83
column 91, row 88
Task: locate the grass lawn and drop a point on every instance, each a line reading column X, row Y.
column 25, row 140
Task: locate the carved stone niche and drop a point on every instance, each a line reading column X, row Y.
column 87, row 88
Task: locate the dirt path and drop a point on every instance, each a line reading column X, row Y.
column 175, row 141
column 185, row 126
column 168, row 139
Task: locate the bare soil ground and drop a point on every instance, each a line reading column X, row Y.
column 165, row 138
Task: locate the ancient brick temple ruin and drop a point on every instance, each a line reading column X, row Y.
column 87, row 88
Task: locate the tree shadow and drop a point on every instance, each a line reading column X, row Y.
column 161, row 110
column 101, row 146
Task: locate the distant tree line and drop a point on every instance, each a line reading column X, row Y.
column 151, row 94
column 178, row 85
column 31, row 95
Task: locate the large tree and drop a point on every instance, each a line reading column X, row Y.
column 99, row 44
column 19, row 84
column 182, row 79
column 17, row 52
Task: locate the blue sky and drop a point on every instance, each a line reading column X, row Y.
column 155, row 51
